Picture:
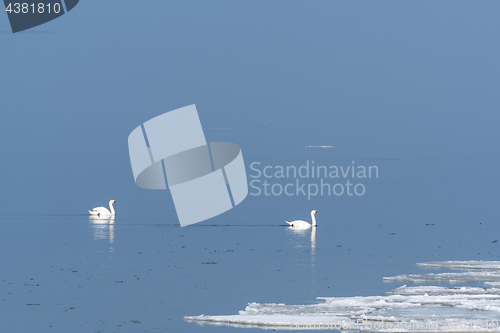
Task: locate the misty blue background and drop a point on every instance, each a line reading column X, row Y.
column 378, row 80
column 411, row 87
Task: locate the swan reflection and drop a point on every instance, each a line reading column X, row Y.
column 300, row 236
column 300, row 239
column 313, row 242
column 103, row 227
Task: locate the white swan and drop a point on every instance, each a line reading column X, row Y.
column 100, row 211
column 303, row 224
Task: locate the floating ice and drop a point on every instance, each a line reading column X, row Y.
column 404, row 309
column 494, row 265
column 484, row 277
column 487, row 272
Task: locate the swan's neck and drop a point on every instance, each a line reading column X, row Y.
column 111, row 209
column 313, row 219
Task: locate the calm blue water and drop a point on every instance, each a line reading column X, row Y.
column 409, row 87
column 69, row 273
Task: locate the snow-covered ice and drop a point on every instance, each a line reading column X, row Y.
column 404, row 309
column 487, row 272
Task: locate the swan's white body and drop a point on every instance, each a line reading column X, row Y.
column 106, row 219
column 298, row 224
column 103, row 211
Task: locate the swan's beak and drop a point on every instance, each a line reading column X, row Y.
column 114, row 203
column 316, row 213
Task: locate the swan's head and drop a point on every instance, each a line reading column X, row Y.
column 314, row 212
column 113, row 202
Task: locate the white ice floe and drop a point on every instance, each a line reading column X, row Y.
column 481, row 276
column 404, row 309
column 487, row 265
column 487, row 272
